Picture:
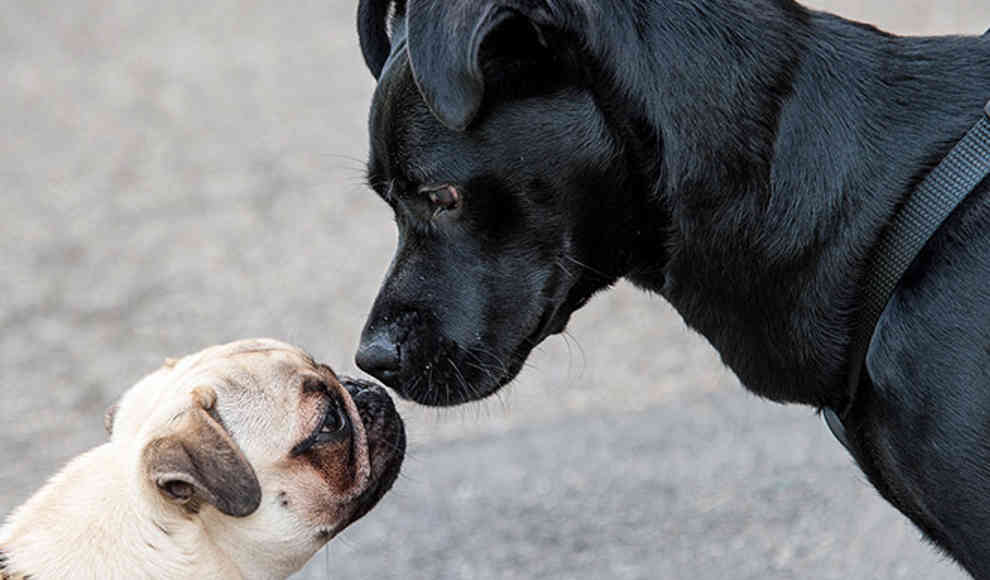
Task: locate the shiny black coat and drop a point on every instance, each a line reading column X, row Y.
column 738, row 158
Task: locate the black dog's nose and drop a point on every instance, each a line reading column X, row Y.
column 378, row 356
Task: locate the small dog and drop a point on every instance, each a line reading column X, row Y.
column 240, row 461
column 741, row 158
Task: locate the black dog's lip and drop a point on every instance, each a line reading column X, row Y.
column 388, row 376
column 552, row 321
column 547, row 326
column 555, row 319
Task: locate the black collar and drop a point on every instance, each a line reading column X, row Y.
column 950, row 182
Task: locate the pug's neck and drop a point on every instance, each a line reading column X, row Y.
column 92, row 520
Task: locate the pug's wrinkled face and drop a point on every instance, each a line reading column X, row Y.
column 269, row 448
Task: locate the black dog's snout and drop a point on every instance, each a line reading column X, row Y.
column 378, row 354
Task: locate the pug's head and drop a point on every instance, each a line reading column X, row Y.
column 270, row 451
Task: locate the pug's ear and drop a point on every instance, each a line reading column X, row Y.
column 445, row 49
column 198, row 461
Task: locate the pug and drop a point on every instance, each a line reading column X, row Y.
column 237, row 462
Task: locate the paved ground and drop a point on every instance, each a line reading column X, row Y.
column 176, row 174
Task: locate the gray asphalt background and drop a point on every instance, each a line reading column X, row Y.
column 177, row 174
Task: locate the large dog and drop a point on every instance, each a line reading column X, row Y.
column 240, row 461
column 740, row 158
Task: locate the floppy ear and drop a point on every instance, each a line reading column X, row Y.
column 199, row 462
column 445, row 41
column 372, row 17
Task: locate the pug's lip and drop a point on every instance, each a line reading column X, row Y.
column 385, row 440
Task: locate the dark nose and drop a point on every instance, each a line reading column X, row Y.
column 378, row 355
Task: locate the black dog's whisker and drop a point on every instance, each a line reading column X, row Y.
column 560, row 264
column 581, row 264
column 482, row 369
column 568, row 338
column 460, row 377
column 477, row 351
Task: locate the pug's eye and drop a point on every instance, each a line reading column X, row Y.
column 445, row 198
column 334, row 424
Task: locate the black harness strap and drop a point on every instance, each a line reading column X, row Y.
column 954, row 178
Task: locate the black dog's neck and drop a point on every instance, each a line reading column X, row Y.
column 782, row 141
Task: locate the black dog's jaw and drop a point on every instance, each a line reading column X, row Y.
column 740, row 158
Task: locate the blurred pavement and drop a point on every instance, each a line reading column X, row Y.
column 177, row 174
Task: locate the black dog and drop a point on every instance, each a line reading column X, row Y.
column 741, row 158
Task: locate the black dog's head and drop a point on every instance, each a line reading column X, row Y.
column 508, row 181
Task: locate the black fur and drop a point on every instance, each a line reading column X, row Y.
column 739, row 158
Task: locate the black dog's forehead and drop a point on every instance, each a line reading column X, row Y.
column 528, row 136
column 403, row 131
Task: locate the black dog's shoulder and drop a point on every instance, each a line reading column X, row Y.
column 931, row 351
column 922, row 422
column 866, row 115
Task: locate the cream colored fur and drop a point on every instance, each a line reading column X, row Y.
column 102, row 518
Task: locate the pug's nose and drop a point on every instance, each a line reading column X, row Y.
column 378, row 355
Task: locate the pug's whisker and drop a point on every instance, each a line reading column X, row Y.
column 409, row 451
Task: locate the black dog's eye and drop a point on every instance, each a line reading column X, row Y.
column 445, row 198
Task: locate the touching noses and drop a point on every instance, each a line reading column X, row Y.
column 378, row 354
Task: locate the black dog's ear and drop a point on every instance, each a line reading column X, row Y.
column 372, row 25
column 445, row 41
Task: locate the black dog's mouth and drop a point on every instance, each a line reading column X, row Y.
column 555, row 320
column 386, row 437
column 457, row 375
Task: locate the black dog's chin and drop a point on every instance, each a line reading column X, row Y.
column 462, row 376
column 458, row 377
column 451, row 382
